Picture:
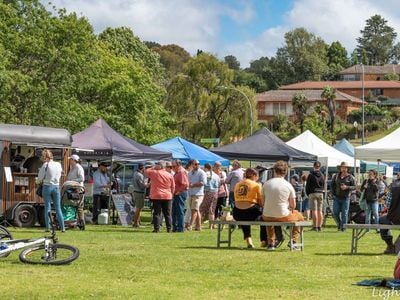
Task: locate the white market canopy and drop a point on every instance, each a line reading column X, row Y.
column 386, row 148
column 310, row 143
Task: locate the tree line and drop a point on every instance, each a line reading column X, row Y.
column 55, row 71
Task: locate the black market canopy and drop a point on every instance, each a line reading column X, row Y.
column 35, row 136
column 263, row 145
column 100, row 141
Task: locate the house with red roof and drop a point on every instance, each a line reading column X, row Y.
column 271, row 103
column 354, row 73
column 388, row 89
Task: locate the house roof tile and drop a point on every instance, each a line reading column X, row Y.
column 313, row 85
column 385, row 69
column 312, row 96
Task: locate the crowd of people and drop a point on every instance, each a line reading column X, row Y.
column 187, row 196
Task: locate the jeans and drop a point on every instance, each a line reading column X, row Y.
column 51, row 194
column 178, row 212
column 165, row 207
column 385, row 233
column 341, row 211
column 372, row 208
column 232, row 199
column 99, row 202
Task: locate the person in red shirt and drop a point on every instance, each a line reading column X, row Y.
column 178, row 203
column 162, row 189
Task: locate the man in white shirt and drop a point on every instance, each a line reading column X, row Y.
column 280, row 202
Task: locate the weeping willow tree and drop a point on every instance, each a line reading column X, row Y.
column 205, row 104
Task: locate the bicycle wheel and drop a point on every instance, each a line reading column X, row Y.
column 59, row 254
column 5, row 235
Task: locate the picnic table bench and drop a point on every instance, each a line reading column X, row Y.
column 359, row 230
column 231, row 225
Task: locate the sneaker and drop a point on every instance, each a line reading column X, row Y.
column 319, row 229
column 271, row 248
column 136, row 226
column 390, row 250
column 263, row 244
column 250, row 246
column 294, row 246
column 279, row 243
column 156, row 231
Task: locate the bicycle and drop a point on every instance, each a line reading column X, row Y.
column 45, row 250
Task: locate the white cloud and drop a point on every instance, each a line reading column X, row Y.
column 339, row 20
column 190, row 24
column 195, row 24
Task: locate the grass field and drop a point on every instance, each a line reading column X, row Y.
column 126, row 263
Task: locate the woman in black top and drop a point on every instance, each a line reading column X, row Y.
column 371, row 189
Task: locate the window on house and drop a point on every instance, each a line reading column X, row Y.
column 377, row 92
column 279, row 108
column 351, row 77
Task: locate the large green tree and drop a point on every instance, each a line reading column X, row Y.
column 55, row 72
column 303, row 57
column 122, row 42
column 264, row 69
column 232, row 62
column 205, row 104
column 337, row 60
column 377, row 40
column 173, row 58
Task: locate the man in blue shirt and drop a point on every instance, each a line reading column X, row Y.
column 197, row 180
column 101, row 188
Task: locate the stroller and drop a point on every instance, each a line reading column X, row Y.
column 72, row 200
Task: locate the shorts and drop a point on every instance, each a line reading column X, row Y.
column 195, row 202
column 304, row 205
column 316, row 201
column 139, row 199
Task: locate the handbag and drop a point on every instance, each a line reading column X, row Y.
column 39, row 189
column 363, row 202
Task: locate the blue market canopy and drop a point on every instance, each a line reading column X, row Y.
column 346, row 147
column 107, row 143
column 263, row 145
column 185, row 150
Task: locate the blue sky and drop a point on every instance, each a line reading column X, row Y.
column 248, row 29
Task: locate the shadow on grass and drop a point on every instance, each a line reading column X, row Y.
column 236, row 249
column 349, row 254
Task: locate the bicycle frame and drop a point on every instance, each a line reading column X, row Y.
column 14, row 245
column 44, row 251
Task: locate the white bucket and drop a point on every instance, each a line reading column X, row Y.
column 103, row 217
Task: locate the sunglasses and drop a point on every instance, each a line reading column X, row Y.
column 196, row 164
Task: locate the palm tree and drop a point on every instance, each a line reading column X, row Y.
column 300, row 106
column 329, row 94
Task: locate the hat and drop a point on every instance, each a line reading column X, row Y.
column 103, row 163
column 343, row 164
column 295, row 177
column 317, row 164
column 140, row 166
column 74, row 157
column 148, row 164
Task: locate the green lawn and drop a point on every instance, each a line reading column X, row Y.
column 127, row 263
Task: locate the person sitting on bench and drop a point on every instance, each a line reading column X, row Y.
column 248, row 205
column 279, row 204
column 392, row 217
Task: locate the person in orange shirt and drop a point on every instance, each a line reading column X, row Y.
column 248, row 205
column 162, row 189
